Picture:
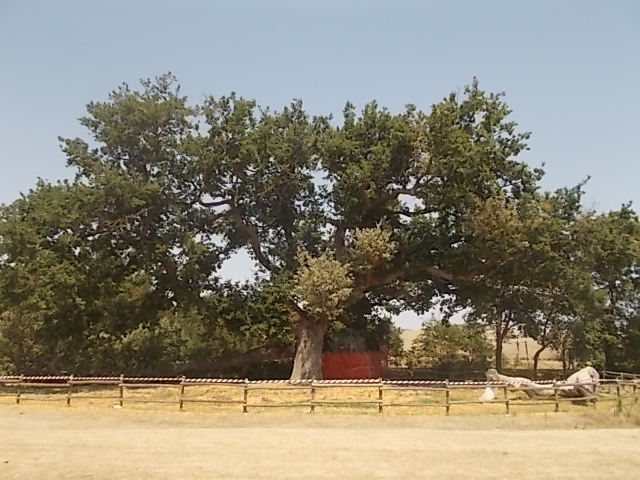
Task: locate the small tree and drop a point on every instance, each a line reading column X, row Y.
column 449, row 347
column 395, row 344
column 612, row 246
column 542, row 282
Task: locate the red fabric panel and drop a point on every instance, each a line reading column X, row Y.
column 351, row 365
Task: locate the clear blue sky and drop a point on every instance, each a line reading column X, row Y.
column 571, row 70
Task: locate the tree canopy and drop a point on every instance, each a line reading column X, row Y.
column 346, row 220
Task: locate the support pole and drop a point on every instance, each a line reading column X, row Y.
column 447, row 396
column 182, row 393
column 245, row 396
column 121, row 390
column 506, row 398
column 70, row 390
column 19, row 390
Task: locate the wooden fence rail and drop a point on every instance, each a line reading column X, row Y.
column 617, row 390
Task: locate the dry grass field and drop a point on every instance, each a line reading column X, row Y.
column 84, row 443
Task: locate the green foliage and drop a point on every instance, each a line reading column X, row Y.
column 448, row 347
column 540, row 285
column 115, row 271
column 612, row 253
column 395, row 345
column 371, row 247
column 118, row 268
column 322, row 285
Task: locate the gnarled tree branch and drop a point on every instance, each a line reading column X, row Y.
column 254, row 240
column 297, row 313
column 411, row 213
column 215, row 203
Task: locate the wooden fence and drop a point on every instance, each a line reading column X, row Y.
column 378, row 392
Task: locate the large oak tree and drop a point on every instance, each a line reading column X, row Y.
column 346, row 219
column 379, row 208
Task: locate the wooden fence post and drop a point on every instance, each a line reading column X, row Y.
column 70, row 390
column 380, row 396
column 619, row 403
column 19, row 390
column 246, row 395
column 635, row 392
column 446, row 397
column 312, row 407
column 555, row 395
column 506, row 398
column 121, row 389
column 182, row 392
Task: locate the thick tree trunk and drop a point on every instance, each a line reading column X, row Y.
column 536, row 357
column 307, row 362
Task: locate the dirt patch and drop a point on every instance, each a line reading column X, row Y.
column 54, row 443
